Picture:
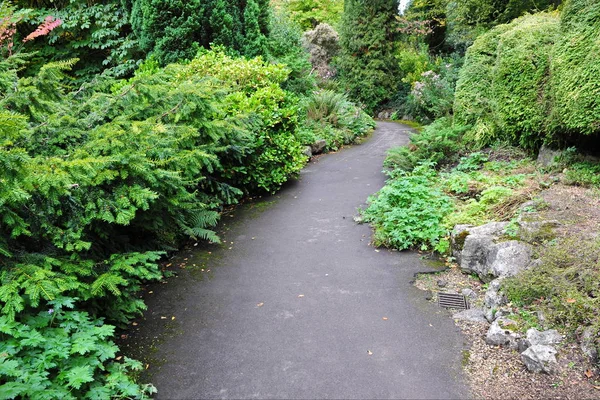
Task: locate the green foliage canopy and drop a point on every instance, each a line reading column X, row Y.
column 366, row 64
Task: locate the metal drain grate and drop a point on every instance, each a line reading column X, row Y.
column 452, row 300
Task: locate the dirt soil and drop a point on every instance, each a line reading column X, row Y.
column 496, row 372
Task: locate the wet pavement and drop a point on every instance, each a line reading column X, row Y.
column 296, row 304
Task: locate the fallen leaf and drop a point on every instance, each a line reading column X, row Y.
column 571, row 300
column 369, row 352
column 253, row 238
column 300, row 295
column 589, row 373
column 150, row 292
column 163, row 317
column 172, row 318
column 260, row 304
column 135, row 324
column 119, row 358
column 147, row 366
column 385, row 318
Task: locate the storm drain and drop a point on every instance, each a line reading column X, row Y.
column 453, row 300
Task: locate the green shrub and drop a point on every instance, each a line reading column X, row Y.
column 367, row 65
column 408, row 211
column 332, row 117
column 174, row 30
column 285, row 47
column 521, row 78
column 64, row 354
column 439, row 143
column 502, row 89
column 575, row 70
column 272, row 152
column 432, row 96
column 583, row 174
column 310, row 13
column 94, row 182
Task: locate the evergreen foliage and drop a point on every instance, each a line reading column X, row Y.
column 575, row 70
column 310, row 13
column 502, row 90
column 174, row 30
column 366, row 64
column 94, row 181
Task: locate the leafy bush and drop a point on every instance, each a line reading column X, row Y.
column 95, row 181
column 332, row 117
column 583, row 174
column 408, row 211
column 502, row 89
column 285, row 47
column 432, row 96
column 64, row 354
column 174, row 30
column 310, row 13
column 366, row 63
column 273, row 153
column 575, row 70
column 467, row 19
column 439, row 143
column 520, row 79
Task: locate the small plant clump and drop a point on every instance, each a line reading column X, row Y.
column 564, row 287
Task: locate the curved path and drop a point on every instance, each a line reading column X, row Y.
column 299, row 305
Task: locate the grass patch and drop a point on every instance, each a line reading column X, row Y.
column 565, row 287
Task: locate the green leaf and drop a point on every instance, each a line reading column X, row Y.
column 79, row 375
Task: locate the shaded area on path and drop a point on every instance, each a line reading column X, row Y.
column 296, row 304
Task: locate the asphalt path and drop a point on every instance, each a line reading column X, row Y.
column 296, row 303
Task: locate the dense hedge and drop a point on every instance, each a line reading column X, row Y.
column 575, row 82
column 534, row 80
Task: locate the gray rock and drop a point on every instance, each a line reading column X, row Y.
column 500, row 334
column 474, row 256
column 508, row 258
column 476, row 250
column 472, row 314
column 547, row 156
column 307, row 151
column 540, row 358
column 469, row 293
column 502, row 313
column 460, row 233
column 457, row 240
column 588, row 345
column 546, row 338
column 494, row 299
column 523, row 345
column 495, row 285
column 318, row 146
column 495, row 229
column 442, row 283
